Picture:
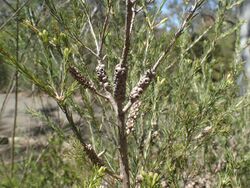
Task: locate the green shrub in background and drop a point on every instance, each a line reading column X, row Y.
column 154, row 113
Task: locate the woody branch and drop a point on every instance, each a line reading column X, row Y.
column 120, row 79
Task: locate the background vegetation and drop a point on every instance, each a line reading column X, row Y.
column 185, row 126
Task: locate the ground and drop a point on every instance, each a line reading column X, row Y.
column 30, row 130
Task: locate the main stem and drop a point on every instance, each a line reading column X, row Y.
column 123, row 151
column 120, row 95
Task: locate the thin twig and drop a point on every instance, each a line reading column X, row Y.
column 92, row 30
column 9, row 5
column 74, row 36
column 198, row 39
column 100, row 68
column 84, row 30
column 105, row 26
column 13, row 15
column 60, row 20
column 128, row 29
column 16, row 93
column 179, row 32
column 9, row 91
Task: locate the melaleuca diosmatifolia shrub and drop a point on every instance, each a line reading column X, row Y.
column 153, row 114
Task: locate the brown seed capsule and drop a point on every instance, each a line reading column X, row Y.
column 81, row 79
column 142, row 85
column 120, row 82
column 132, row 116
column 102, row 76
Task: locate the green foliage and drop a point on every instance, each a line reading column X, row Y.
column 61, row 164
column 189, row 126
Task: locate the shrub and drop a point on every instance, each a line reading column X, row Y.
column 156, row 117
